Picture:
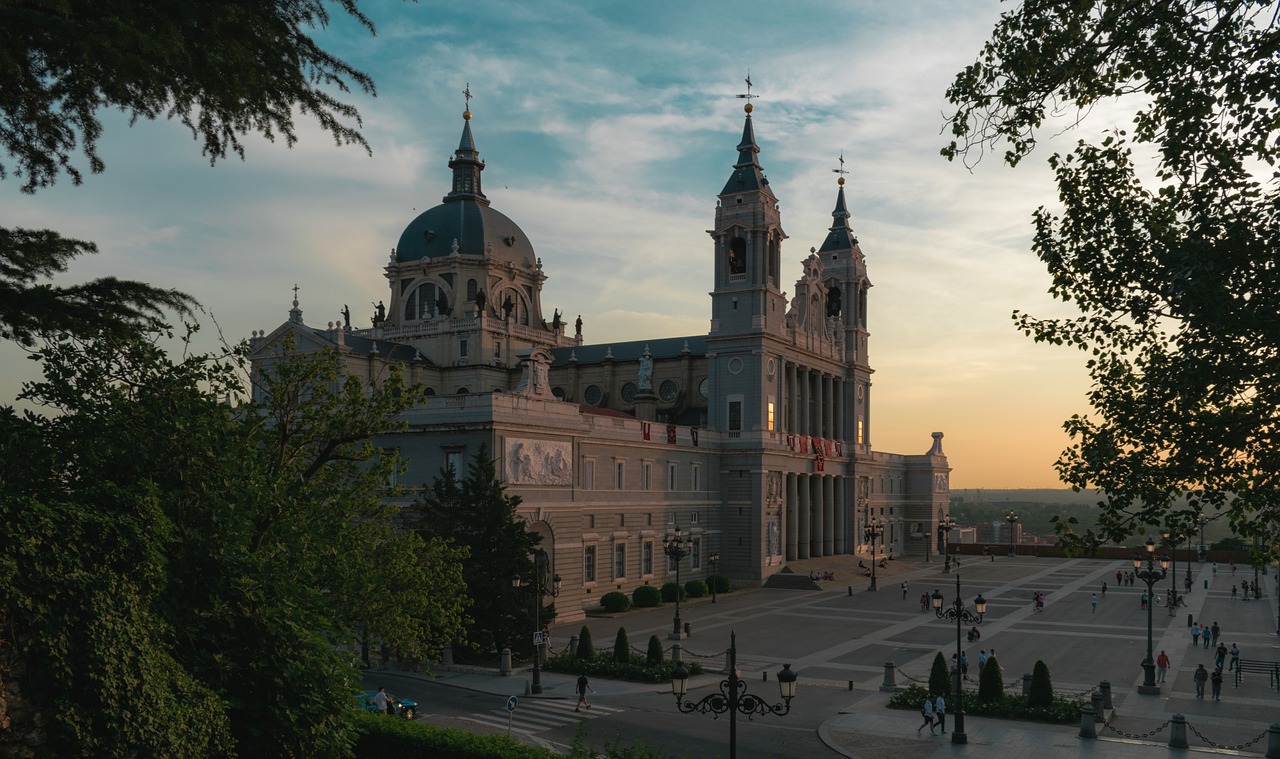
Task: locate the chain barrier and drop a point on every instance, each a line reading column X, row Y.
column 686, row 652
column 1071, row 695
column 909, row 677
column 1236, row 747
column 1135, row 736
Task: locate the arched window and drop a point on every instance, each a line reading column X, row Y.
column 472, row 288
column 737, row 256
column 421, row 303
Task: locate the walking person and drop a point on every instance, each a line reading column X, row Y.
column 926, row 711
column 904, row 590
column 1144, row 599
column 964, row 664
column 1215, row 682
column 1233, row 592
column 1216, row 631
column 1104, row 588
column 1118, row 582
column 1195, row 634
column 1162, row 666
column 583, row 686
column 380, row 701
column 1204, row 635
column 1093, row 601
column 1235, row 657
column 1201, row 677
column 1220, row 656
column 982, row 660
column 940, row 713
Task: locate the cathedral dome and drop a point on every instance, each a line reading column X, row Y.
column 477, row 228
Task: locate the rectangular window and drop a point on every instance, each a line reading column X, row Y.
column 589, row 564
column 648, row 519
column 695, row 478
column 671, row 563
column 647, row 558
column 591, row 520
column 673, row 471
column 497, row 349
column 622, row 520
column 646, row 473
column 860, row 440
column 769, row 414
column 619, row 561
column 695, row 553
column 671, row 518
column 735, row 416
column 453, row 460
column 462, row 348
column 619, row 475
column 588, row 474
column 693, row 518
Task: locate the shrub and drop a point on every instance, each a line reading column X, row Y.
column 721, row 583
column 669, row 590
column 381, row 737
column 646, row 596
column 1041, row 693
column 622, row 647
column 586, row 650
column 1061, row 711
column 615, row 602
column 991, row 681
column 696, row 588
column 940, row 677
column 654, row 655
column 603, row 666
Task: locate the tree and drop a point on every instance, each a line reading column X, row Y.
column 177, row 571
column 1041, row 686
column 1172, row 267
column 479, row 516
column 991, row 681
column 622, row 647
column 655, row 652
column 586, row 650
column 940, row 677
column 63, row 63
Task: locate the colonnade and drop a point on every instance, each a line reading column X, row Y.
column 815, row 403
column 817, row 514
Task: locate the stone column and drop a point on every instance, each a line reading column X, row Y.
column 803, row 519
column 828, row 516
column 842, row 512
column 791, row 526
column 815, row 498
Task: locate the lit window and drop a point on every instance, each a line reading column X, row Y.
column 769, row 411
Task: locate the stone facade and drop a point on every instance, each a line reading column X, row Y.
column 754, row 439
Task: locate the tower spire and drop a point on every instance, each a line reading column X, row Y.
column 747, row 173
column 466, row 163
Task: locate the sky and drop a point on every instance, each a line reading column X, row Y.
column 608, row 128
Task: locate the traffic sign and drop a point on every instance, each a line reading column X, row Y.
column 537, row 638
column 512, row 703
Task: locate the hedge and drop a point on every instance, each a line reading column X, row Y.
column 1061, row 712
column 669, row 591
column 603, row 665
column 646, row 596
column 696, row 588
column 379, row 737
column 615, row 602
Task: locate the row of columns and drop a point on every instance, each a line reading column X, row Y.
column 817, row 516
column 815, row 402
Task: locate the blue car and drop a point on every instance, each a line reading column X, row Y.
column 400, row 707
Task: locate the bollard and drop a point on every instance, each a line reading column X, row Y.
column 688, row 633
column 850, row 590
column 447, row 657
column 890, row 677
column 573, row 644
column 1273, row 741
column 764, row 676
column 1190, row 620
column 528, row 690
column 1088, row 728
column 850, row 685
column 1098, row 714
column 1105, row 687
column 675, row 652
column 1026, row 683
column 1206, row 584
column 504, row 667
column 1177, row 731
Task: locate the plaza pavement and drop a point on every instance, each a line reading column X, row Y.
column 839, row 637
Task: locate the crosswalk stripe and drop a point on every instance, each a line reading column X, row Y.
column 535, row 716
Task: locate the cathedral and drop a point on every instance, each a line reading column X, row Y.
column 753, row 439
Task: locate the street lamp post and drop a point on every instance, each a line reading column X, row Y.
column 927, row 537
column 677, row 547
column 960, row 615
column 733, row 697
column 1171, row 539
column 540, row 591
column 714, row 558
column 873, row 531
column 945, row 527
column 1200, row 549
column 1150, row 575
column 1012, row 519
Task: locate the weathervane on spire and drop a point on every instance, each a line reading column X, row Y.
column 295, row 294
column 748, row 97
column 841, row 170
column 466, row 110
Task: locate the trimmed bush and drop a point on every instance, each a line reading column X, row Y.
column 721, row 583
column 696, row 588
column 603, row 666
column 1061, row 712
column 622, row 647
column 615, row 602
column 646, row 596
column 991, row 681
column 586, row 649
column 1041, row 693
column 669, row 590
column 654, row 655
column 940, row 677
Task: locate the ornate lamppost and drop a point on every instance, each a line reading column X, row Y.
column 733, row 697
column 945, row 527
column 1171, row 539
column 1150, row 574
column 542, row 567
column 960, row 614
column 677, row 547
column 714, row 559
column 873, row 532
column 1200, row 549
column 1012, row 519
column 927, row 537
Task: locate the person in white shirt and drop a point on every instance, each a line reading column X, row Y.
column 381, row 703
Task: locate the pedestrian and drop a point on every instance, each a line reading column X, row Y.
column 1201, row 677
column 1204, row 634
column 1118, row 577
column 1093, row 601
column 1244, row 588
column 1220, row 656
column 380, row 700
column 1216, row 631
column 924, row 601
column 940, row 713
column 1144, row 599
column 1104, row 588
column 1215, row 681
column 1186, row 582
column 1215, row 569
column 583, row 686
column 1232, row 564
column 1162, row 666
column 982, row 660
column 1195, row 634
column 964, row 665
column 1235, row 657
column 926, row 711
column 904, row 590
column 1233, row 592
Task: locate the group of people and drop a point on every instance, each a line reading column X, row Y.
column 1037, row 601
column 1247, row 587
column 1214, row 678
column 934, row 711
column 828, row 576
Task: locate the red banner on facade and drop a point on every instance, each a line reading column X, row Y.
column 839, row 448
column 671, row 434
column 644, row 429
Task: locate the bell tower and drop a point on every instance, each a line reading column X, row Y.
column 748, row 240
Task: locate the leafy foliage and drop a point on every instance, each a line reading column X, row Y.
column 636, row 668
column 696, row 588
column 940, row 677
column 615, row 602
column 161, row 545
column 1171, row 268
column 670, row 590
column 721, row 583
column 381, row 737
column 1041, row 693
column 655, row 652
column 621, row 647
column 991, row 681
column 646, row 596
column 1061, row 711
column 586, row 650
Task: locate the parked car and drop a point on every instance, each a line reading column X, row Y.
column 400, row 707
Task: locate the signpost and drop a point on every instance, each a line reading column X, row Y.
column 512, row 703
